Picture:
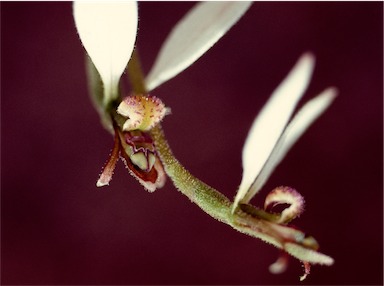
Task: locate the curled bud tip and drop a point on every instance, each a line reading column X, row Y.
column 285, row 195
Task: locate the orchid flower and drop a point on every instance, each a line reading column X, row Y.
column 108, row 33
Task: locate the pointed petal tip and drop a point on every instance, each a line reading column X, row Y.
column 101, row 183
column 309, row 55
column 306, row 62
column 332, row 91
column 325, row 98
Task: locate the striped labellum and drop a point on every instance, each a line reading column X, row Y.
column 140, row 156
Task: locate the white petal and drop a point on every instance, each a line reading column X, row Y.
column 271, row 121
column 198, row 31
column 108, row 32
column 299, row 124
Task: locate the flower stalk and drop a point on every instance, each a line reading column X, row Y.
column 246, row 218
column 208, row 199
column 139, row 139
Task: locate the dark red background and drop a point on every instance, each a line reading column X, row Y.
column 58, row 228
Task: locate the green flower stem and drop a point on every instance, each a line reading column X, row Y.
column 256, row 223
column 207, row 198
column 246, row 219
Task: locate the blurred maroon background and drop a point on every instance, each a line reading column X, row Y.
column 58, row 228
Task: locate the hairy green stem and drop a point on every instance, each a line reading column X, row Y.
column 207, row 198
column 246, row 219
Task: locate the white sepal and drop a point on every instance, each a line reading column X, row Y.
column 194, row 34
column 271, row 122
column 108, row 33
column 299, row 124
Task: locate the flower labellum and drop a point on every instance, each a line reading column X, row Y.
column 137, row 150
column 139, row 155
column 134, row 143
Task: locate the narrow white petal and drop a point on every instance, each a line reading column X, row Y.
column 198, row 31
column 271, row 121
column 299, row 124
column 108, row 32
